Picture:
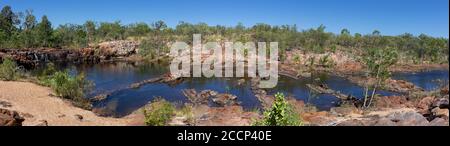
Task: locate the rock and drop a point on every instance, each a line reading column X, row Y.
column 5, row 104
column 384, row 122
column 402, row 86
column 439, row 122
column 441, row 103
column 98, row 98
column 10, row 118
column 120, row 48
column 409, row 118
column 42, row 123
column 343, row 111
column 392, row 102
column 444, row 90
column 355, row 122
column 424, row 105
column 78, row 117
column 318, row 118
column 441, row 113
column 225, row 99
column 178, row 121
column 225, row 116
column 29, row 58
column 388, row 118
column 201, row 98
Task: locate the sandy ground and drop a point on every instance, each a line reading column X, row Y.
column 35, row 104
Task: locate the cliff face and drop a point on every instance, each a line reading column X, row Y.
column 29, row 58
column 34, row 56
column 120, row 48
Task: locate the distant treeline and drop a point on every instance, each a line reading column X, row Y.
column 22, row 30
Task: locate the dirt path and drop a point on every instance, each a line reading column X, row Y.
column 35, row 104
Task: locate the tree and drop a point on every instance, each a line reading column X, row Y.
column 345, row 38
column 29, row 32
column 159, row 25
column 378, row 62
column 111, row 31
column 90, row 30
column 137, row 30
column 71, row 36
column 8, row 20
column 30, row 20
column 45, row 32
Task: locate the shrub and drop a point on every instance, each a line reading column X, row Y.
column 45, row 76
column 70, row 87
column 8, row 70
column 152, row 48
column 280, row 114
column 326, row 61
column 158, row 113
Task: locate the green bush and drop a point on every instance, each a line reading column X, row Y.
column 280, row 114
column 46, row 75
column 152, row 48
column 158, row 113
column 8, row 70
column 70, row 87
column 326, row 61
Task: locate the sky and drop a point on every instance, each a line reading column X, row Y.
column 390, row 17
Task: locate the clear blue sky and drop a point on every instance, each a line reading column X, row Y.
column 391, row 17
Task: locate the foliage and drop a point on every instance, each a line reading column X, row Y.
column 151, row 48
column 25, row 32
column 158, row 113
column 326, row 61
column 67, row 86
column 8, row 70
column 378, row 62
column 45, row 76
column 280, row 114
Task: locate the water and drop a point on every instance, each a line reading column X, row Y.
column 428, row 80
column 117, row 76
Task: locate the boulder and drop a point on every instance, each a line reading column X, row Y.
column 10, row 118
column 439, row 122
column 424, row 105
column 409, row 118
column 225, row 99
column 441, row 113
column 355, row 122
column 441, row 103
column 392, row 102
column 444, row 90
column 200, row 98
